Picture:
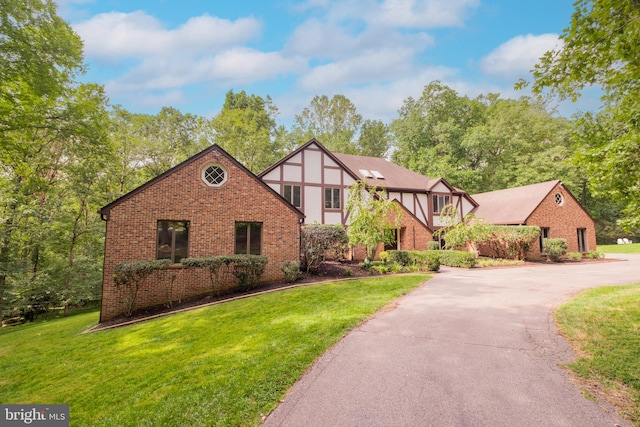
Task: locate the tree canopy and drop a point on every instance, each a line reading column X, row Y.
column 601, row 47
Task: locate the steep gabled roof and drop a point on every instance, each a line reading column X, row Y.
column 512, row 205
column 394, row 177
column 105, row 210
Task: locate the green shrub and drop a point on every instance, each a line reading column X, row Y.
column 291, row 270
column 400, row 257
column 426, row 260
column 320, row 239
column 454, row 258
column 433, row 246
column 347, row 272
column 130, row 275
column 421, row 260
column 384, row 256
column 246, row 269
column 576, row 256
column 594, row 255
column 555, row 248
column 380, row 269
column 214, row 265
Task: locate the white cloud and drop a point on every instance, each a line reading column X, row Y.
column 229, row 67
column 516, row 57
column 331, row 40
column 421, row 13
column 117, row 35
column 375, row 65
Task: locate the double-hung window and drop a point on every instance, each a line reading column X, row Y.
column 248, row 238
column 439, row 202
column 292, row 195
column 172, row 240
column 332, row 198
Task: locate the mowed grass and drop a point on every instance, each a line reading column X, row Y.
column 633, row 248
column 603, row 325
column 223, row 365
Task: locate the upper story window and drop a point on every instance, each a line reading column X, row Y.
column 332, row 198
column 172, row 240
column 559, row 199
column 440, row 201
column 214, row 175
column 292, row 195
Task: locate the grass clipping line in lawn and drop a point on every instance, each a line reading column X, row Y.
column 603, row 327
column 223, row 365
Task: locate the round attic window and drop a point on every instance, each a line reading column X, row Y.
column 214, row 175
column 559, row 199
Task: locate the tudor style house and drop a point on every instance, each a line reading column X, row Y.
column 208, row 205
column 548, row 205
column 317, row 182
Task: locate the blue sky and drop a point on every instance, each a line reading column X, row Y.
column 188, row 54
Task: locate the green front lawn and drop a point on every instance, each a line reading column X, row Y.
column 223, row 365
column 633, row 248
column 603, row 325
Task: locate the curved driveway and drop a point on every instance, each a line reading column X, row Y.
column 469, row 348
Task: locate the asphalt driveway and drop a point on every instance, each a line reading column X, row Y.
column 469, row 348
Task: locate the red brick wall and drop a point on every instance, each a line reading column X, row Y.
column 211, row 211
column 563, row 221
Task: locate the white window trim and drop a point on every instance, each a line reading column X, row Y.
column 204, row 179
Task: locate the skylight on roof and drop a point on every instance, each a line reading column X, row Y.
column 366, row 173
column 377, row 174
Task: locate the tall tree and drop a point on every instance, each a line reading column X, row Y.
column 430, row 131
column 48, row 122
column 374, row 139
column 246, row 128
column 601, row 47
column 519, row 143
column 334, row 122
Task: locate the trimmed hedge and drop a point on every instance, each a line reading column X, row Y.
column 247, row 269
column 461, row 259
column 431, row 260
column 421, row 260
column 129, row 275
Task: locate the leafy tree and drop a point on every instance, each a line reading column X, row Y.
column 51, row 139
column 372, row 217
column 374, row 139
column 601, row 47
column 334, row 122
column 246, row 128
column 430, row 131
column 171, row 137
column 519, row 143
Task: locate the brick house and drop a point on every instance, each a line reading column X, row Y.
column 548, row 205
column 208, row 205
column 317, row 182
